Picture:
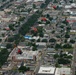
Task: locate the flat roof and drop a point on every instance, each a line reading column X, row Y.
column 26, row 55
column 47, row 70
column 63, row 70
column 38, row 0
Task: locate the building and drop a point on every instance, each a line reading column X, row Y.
column 46, row 70
column 18, row 55
column 63, row 71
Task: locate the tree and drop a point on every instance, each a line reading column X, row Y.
column 42, row 5
column 9, row 46
column 58, row 36
column 11, row 39
column 41, row 34
column 55, row 1
column 63, row 61
column 21, row 18
column 38, row 40
column 52, row 40
column 65, row 22
column 11, row 26
column 34, row 48
column 32, row 40
column 57, row 65
column 30, row 22
column 23, row 69
column 44, row 40
column 47, row 22
column 71, row 1
column 39, row 22
column 58, row 46
column 0, row 40
column 72, row 41
column 65, row 41
column 34, row 6
column 48, row 16
column 67, row 36
column 67, row 46
column 3, row 56
column 56, row 56
column 53, row 32
column 62, row 26
column 68, row 28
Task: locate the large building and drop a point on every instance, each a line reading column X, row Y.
column 50, row 70
column 18, row 55
column 46, row 71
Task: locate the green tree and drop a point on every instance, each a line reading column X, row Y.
column 3, row 56
column 42, row 5
column 11, row 26
column 11, row 39
column 34, row 48
column 53, row 32
column 9, row 46
column 47, row 22
column 41, row 34
column 55, row 1
column 32, row 40
column 52, row 40
column 62, row 26
column 23, row 69
column 58, row 46
column 67, row 46
column 0, row 40
column 63, row 61
column 71, row 1
column 34, row 6
column 48, row 16
column 38, row 40
column 44, row 40
column 72, row 41
column 56, row 56
column 67, row 36
column 21, row 18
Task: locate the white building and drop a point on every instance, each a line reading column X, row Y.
column 46, row 70
column 26, row 55
column 63, row 71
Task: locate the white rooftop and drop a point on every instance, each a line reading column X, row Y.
column 47, row 70
column 61, row 71
column 38, row 0
column 27, row 55
column 28, row 1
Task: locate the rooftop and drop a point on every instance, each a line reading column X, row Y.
column 47, row 70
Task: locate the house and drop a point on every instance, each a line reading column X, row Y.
column 67, row 6
column 38, row 3
column 71, row 19
column 2, row 13
column 7, row 66
column 7, row 10
column 40, row 43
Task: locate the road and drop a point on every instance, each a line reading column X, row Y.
column 74, row 61
column 40, row 62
